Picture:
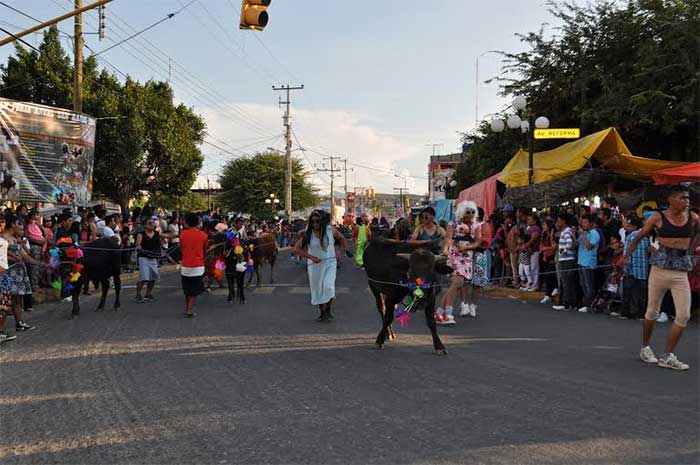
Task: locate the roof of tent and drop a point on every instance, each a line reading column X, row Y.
column 606, row 147
column 483, row 193
column 686, row 173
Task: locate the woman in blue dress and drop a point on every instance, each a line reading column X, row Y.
column 317, row 245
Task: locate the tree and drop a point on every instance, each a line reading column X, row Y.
column 144, row 142
column 247, row 181
column 634, row 66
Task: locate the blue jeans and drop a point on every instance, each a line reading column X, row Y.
column 586, row 278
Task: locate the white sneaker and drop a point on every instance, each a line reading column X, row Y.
column 464, row 309
column 472, row 310
column 450, row 320
column 559, row 307
column 663, row 318
column 647, row 355
column 531, row 289
column 523, row 288
column 583, row 310
column 672, row 362
column 555, row 292
column 546, row 299
column 615, row 314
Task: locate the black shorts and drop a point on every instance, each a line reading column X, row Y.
column 192, row 286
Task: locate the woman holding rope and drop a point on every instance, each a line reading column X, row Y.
column 317, row 245
column 149, row 247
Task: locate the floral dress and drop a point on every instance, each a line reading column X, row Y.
column 470, row 264
column 21, row 284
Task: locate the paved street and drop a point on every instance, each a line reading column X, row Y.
column 265, row 383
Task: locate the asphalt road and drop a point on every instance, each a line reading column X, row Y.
column 264, row 383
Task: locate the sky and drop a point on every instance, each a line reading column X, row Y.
column 383, row 81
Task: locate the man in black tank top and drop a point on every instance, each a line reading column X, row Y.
column 676, row 229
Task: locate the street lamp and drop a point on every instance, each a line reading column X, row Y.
column 273, row 201
column 516, row 122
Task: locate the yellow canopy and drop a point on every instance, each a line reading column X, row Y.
column 606, row 147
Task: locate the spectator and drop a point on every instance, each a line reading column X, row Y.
column 524, row 255
column 48, row 231
column 512, row 244
column 149, row 249
column 17, row 257
column 533, row 231
column 587, row 261
column 37, row 245
column 567, row 263
column 636, row 278
column 548, row 247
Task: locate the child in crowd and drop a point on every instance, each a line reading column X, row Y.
column 524, row 262
column 634, row 285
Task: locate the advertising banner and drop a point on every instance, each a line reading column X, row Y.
column 441, row 174
column 47, row 153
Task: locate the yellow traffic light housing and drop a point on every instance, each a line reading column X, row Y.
column 254, row 14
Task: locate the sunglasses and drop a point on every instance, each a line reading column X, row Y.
column 469, row 212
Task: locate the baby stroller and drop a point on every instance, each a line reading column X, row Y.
column 609, row 294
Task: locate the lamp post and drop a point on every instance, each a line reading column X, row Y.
column 515, row 121
column 274, row 202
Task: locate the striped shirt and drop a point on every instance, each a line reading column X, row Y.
column 567, row 245
column 638, row 264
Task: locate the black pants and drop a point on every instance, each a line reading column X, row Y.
column 634, row 297
column 569, row 283
column 548, row 275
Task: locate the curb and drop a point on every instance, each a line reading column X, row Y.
column 506, row 292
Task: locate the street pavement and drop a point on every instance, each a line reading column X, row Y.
column 265, row 383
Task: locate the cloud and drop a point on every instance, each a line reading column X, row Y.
column 373, row 153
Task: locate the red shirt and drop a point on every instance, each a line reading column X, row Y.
column 193, row 244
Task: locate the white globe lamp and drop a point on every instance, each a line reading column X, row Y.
column 542, row 122
column 453, row 183
column 525, row 126
column 497, row 125
column 519, row 102
column 514, row 121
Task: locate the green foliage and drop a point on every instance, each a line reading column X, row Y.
column 632, row 65
column 246, row 182
column 145, row 144
column 189, row 202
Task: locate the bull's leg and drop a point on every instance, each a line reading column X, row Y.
column 430, row 320
column 230, row 280
column 272, row 268
column 75, row 298
column 390, row 300
column 240, row 279
column 117, row 291
column 104, row 285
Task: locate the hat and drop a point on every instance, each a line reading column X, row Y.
column 221, row 227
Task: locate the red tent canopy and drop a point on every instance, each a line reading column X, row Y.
column 685, row 173
column 483, row 194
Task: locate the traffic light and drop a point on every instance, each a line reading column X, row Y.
column 254, row 14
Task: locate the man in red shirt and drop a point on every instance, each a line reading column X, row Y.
column 193, row 245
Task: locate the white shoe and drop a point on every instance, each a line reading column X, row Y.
column 546, row 299
column 450, row 320
column 583, row 310
column 559, row 307
column 472, row 310
column 647, row 355
column 523, row 288
column 555, row 292
column 663, row 318
column 672, row 362
column 531, row 289
column 464, row 309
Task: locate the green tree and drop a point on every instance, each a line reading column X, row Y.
column 144, row 142
column 246, row 182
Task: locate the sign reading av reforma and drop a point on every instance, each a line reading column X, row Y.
column 562, row 133
column 48, row 152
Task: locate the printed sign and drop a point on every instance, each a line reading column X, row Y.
column 48, row 153
column 570, row 133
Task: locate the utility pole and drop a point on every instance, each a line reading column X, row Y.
column 332, row 170
column 345, row 168
column 78, row 73
column 402, row 192
column 288, row 147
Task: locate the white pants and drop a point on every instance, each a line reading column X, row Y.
column 534, row 270
column 525, row 275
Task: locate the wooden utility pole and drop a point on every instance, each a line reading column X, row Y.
column 78, row 65
column 288, row 148
column 332, row 170
column 58, row 19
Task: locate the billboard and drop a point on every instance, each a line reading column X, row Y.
column 46, row 152
column 441, row 172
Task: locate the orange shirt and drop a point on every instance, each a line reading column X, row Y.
column 193, row 245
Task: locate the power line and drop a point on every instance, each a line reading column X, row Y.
column 167, row 17
column 19, row 38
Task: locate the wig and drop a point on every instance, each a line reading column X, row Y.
column 463, row 206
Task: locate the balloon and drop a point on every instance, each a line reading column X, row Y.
column 74, row 277
column 238, row 250
column 220, row 265
column 218, row 274
column 403, row 319
column 68, row 287
column 54, row 252
column 236, row 241
column 56, row 284
column 230, row 235
column 77, row 268
column 418, row 292
column 251, row 246
column 419, row 281
column 79, row 253
column 241, row 267
column 72, row 252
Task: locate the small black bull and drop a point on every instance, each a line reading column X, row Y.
column 388, row 263
column 101, row 261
